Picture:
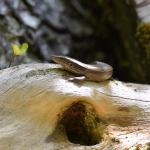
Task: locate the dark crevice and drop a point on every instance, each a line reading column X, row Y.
column 82, row 125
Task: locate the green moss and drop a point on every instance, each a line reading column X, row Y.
column 43, row 72
column 143, row 35
column 36, row 73
column 82, row 124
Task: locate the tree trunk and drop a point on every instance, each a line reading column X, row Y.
column 41, row 108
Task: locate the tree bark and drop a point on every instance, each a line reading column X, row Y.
column 36, row 100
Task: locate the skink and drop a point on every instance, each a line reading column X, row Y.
column 93, row 72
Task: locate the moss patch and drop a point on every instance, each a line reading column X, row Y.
column 41, row 72
column 82, row 124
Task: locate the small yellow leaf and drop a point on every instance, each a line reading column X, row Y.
column 24, row 47
column 19, row 50
column 16, row 49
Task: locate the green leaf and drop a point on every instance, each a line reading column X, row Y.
column 24, row 47
column 16, row 49
column 19, row 50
